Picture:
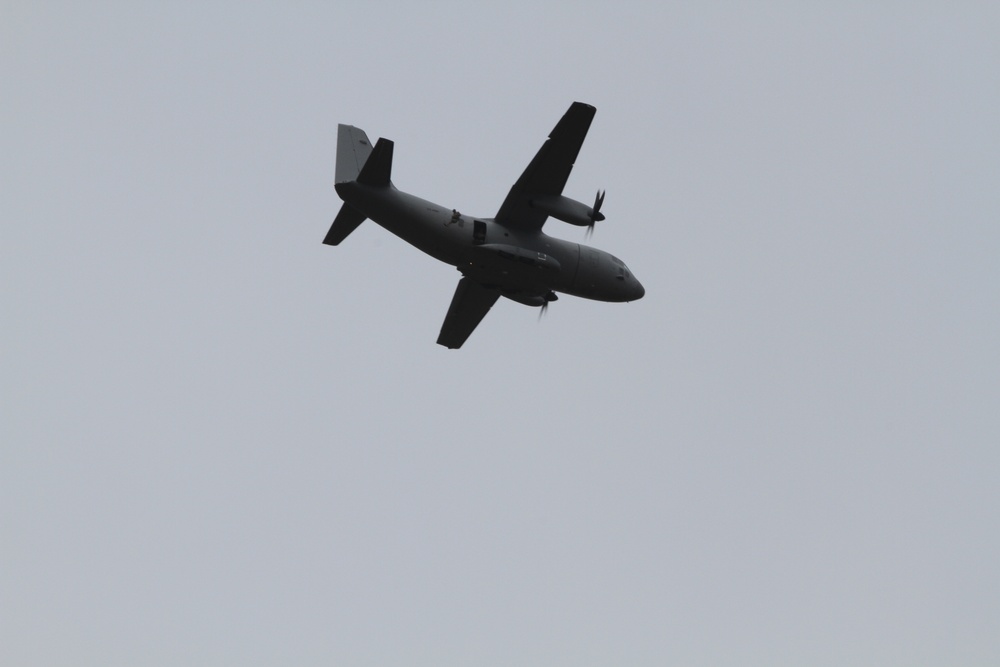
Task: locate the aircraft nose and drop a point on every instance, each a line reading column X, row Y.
column 638, row 291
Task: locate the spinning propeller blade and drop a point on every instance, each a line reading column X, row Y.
column 596, row 214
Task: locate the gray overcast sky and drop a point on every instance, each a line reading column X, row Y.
column 222, row 442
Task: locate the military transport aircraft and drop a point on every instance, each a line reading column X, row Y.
column 506, row 255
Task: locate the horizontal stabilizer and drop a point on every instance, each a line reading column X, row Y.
column 346, row 222
column 378, row 167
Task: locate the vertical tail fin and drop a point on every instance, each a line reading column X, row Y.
column 357, row 161
column 353, row 149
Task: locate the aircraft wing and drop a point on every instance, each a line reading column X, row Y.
column 547, row 173
column 468, row 308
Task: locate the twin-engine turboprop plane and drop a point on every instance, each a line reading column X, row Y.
column 506, row 255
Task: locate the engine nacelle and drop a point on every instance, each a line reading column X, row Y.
column 567, row 210
column 534, row 300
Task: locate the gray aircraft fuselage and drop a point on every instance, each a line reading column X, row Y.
column 525, row 264
column 507, row 254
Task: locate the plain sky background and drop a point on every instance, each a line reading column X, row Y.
column 224, row 443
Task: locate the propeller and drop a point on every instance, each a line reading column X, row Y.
column 548, row 298
column 595, row 213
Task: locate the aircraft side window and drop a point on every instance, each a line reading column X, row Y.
column 478, row 232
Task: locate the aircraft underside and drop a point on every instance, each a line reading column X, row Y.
column 507, row 255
